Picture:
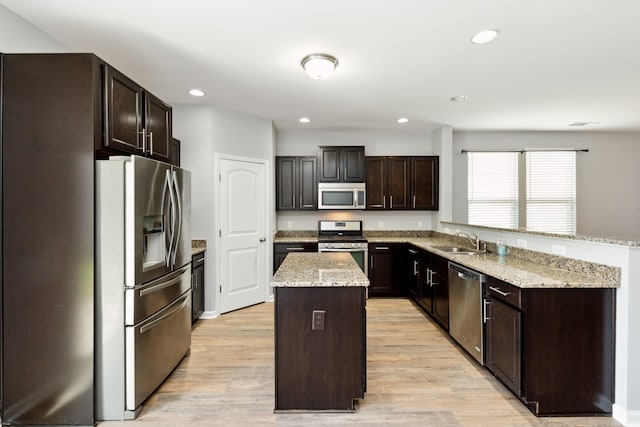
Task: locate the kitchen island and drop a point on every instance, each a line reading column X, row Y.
column 320, row 332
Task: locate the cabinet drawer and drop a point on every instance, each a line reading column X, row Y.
column 295, row 247
column 504, row 291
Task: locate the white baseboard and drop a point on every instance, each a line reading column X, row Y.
column 209, row 315
column 626, row 417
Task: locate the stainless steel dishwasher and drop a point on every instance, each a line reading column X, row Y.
column 466, row 321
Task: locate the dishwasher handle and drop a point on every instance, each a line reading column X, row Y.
column 466, row 274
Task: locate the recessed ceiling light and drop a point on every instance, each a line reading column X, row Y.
column 402, row 120
column 196, row 92
column 319, row 65
column 484, row 36
column 584, row 123
column 458, row 98
column 304, row 120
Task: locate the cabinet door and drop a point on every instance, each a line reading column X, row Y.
column 174, row 157
column 286, row 183
column 307, row 183
column 424, row 182
column 123, row 112
column 353, row 164
column 158, row 131
column 197, row 290
column 376, row 182
column 381, row 270
column 329, row 164
column 398, row 183
column 440, row 281
column 426, row 288
column 413, row 274
column 503, row 343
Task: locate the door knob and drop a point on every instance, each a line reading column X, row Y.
column 262, row 239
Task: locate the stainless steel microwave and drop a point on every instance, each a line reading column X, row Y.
column 341, row 195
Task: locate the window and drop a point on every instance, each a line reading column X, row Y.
column 493, row 189
column 551, row 191
column 535, row 191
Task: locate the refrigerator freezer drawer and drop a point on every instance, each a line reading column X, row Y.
column 154, row 348
column 143, row 301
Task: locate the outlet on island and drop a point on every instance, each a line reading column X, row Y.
column 317, row 323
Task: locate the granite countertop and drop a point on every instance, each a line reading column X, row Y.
column 198, row 246
column 312, row 269
column 527, row 270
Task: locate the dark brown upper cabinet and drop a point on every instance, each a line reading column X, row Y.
column 402, row 182
column 157, row 127
column 388, row 182
column 341, row 164
column 123, row 118
column 296, row 183
column 424, row 182
column 136, row 121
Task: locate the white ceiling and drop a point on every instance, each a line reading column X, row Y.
column 555, row 62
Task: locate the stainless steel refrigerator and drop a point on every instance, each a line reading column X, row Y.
column 143, row 280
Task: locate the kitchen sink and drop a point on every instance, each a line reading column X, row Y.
column 457, row 250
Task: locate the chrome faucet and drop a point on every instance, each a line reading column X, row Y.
column 475, row 241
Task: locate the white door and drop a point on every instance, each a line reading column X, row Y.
column 243, row 213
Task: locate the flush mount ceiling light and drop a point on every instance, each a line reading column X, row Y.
column 196, row 92
column 319, row 65
column 579, row 124
column 304, row 120
column 402, row 120
column 484, row 36
column 458, row 98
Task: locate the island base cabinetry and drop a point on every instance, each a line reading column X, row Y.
column 320, row 350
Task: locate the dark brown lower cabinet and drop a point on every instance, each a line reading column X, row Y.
column 197, row 286
column 503, row 343
column 282, row 249
column 553, row 347
column 322, row 368
column 385, row 272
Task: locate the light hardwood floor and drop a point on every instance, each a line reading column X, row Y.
column 416, row 376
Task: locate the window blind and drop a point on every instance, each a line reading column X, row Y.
column 493, row 189
column 551, row 191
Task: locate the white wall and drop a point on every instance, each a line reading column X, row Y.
column 203, row 132
column 607, row 202
column 20, row 36
column 305, row 142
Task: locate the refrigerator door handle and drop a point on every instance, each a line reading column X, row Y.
column 179, row 217
column 168, row 187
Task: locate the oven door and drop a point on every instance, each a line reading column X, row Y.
column 358, row 254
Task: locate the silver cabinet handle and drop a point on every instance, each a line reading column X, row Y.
column 413, row 251
column 144, row 140
column 295, row 249
column 484, row 315
column 414, row 202
column 382, row 248
column 391, row 202
column 151, row 142
column 384, row 202
column 371, row 263
column 262, row 239
column 498, row 291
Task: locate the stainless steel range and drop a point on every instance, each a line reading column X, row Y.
column 344, row 236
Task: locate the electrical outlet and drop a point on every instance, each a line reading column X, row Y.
column 420, row 224
column 380, row 224
column 558, row 249
column 522, row 243
column 289, row 224
column 317, row 322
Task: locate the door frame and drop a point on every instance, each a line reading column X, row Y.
column 217, row 244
